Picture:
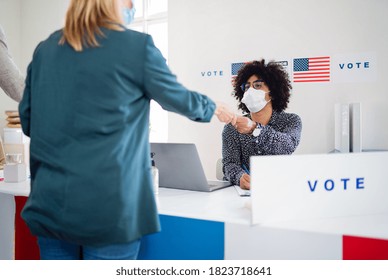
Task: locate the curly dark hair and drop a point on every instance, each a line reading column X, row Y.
column 273, row 76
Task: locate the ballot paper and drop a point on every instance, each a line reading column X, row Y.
column 242, row 192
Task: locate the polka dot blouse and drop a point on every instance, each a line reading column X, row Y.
column 280, row 136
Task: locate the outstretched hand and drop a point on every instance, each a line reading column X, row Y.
column 224, row 114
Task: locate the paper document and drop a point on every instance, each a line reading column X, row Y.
column 242, row 192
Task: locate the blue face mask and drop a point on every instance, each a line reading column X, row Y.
column 128, row 15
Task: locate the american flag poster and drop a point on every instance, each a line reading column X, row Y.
column 236, row 67
column 313, row 69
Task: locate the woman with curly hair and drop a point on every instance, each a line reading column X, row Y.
column 263, row 92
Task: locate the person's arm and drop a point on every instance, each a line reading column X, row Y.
column 284, row 142
column 2, row 154
column 162, row 86
column 11, row 80
column 231, row 155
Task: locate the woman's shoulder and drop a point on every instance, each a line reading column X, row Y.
column 126, row 37
column 289, row 117
column 53, row 37
column 293, row 115
column 51, row 40
column 134, row 34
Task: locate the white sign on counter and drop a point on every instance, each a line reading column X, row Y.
column 303, row 187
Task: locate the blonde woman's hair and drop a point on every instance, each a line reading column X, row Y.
column 84, row 20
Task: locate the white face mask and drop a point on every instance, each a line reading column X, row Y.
column 254, row 99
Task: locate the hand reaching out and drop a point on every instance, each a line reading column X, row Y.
column 224, row 114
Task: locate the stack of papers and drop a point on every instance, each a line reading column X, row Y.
column 13, row 119
column 242, row 192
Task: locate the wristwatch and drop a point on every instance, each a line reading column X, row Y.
column 256, row 132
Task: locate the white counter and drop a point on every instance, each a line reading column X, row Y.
column 227, row 206
column 16, row 189
column 223, row 205
column 369, row 226
column 318, row 236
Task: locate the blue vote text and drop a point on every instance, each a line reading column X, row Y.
column 212, row 73
column 332, row 184
column 354, row 65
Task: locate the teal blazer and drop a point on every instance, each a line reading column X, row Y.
column 87, row 114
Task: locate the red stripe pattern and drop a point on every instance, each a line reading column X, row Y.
column 360, row 248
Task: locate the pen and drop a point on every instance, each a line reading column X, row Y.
column 245, row 169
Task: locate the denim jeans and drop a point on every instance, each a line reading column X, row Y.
column 54, row 249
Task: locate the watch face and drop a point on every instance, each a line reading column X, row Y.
column 256, row 132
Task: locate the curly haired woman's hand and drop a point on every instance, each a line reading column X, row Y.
column 245, row 125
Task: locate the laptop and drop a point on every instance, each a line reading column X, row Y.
column 180, row 168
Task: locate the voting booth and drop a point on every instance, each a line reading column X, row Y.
column 301, row 207
column 332, row 193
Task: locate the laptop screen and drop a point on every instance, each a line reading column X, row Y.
column 180, row 167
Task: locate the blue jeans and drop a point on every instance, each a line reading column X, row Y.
column 54, row 249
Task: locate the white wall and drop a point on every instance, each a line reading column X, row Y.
column 39, row 19
column 210, row 35
column 10, row 14
column 26, row 23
